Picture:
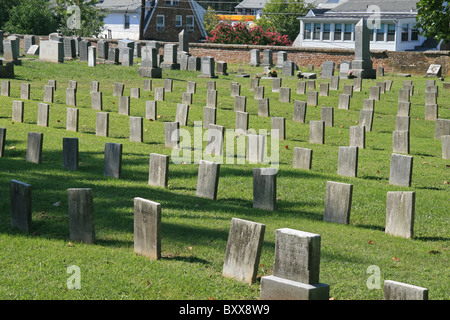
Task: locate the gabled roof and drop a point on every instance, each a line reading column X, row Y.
column 384, row 5
column 260, row 4
column 120, row 5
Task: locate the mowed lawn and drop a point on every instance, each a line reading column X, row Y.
column 195, row 230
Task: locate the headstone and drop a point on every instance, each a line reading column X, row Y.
column 289, row 68
column 235, row 89
column 404, row 108
column 279, row 123
column 348, row 161
column 400, row 207
column 33, row 50
column 302, row 158
column 410, row 87
column 102, row 124
column 25, row 91
column 402, row 123
column 324, row 89
column 124, row 45
column 127, row 56
column 369, row 104
column 430, row 98
column 97, row 101
column 83, row 50
column 380, row 72
column 401, row 170
column 357, row 84
column 34, row 147
column 6, row 88
column 172, row 134
column 240, row 103
column 21, row 208
column 222, row 68
column 434, row 70
column 102, row 49
column 147, row 85
column 158, row 174
column 311, row 84
column 112, row 165
column 312, row 98
column 255, row 148
column 388, row 84
column 382, row 85
column 400, row 141
column 94, row 87
column 71, row 97
column 17, row 111
column 334, row 83
column 70, row 153
column 211, row 85
column 281, row 58
column 81, row 214
column 344, row 69
column 299, row 111
column 208, row 67
column 69, row 48
column 267, row 58
column 432, row 88
column 374, row 93
column 194, row 63
column 113, row 56
column 403, row 95
column 441, row 128
column 285, row 95
column 254, row 82
column 3, row 137
column 296, row 269
column 147, row 228
column 215, row 140
column 211, row 98
column 124, row 105
column 182, row 114
column 170, row 57
column 258, row 93
column 151, row 110
column 243, row 251
column 137, row 52
column 209, row 116
column 191, row 87
column 445, row 144
column 241, row 122
column 15, row 40
column 136, row 129
column 264, row 107
column 344, row 101
column 327, row 115
column 348, row 89
column 357, row 137
column 255, row 57
column 366, row 119
column 168, row 85
column 43, row 114
column 28, row 41
column 338, row 202
column 72, row 116
column 135, row 93
column 159, row 94
column 92, row 56
column 394, row 290
column 327, row 69
column 362, row 65
column 264, row 188
column 208, row 179
column 317, row 132
column 48, row 94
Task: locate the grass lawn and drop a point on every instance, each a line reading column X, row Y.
column 195, row 230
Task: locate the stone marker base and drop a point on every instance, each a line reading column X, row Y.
column 7, row 70
column 170, row 66
column 111, row 62
column 150, row 72
column 275, row 288
column 365, row 73
column 206, row 76
column 309, row 75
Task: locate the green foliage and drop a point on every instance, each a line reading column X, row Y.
column 433, row 19
column 31, row 17
column 283, row 15
column 5, row 8
column 210, row 20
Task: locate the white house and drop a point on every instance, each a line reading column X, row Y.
column 392, row 25
column 123, row 19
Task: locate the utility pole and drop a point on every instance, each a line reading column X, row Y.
column 141, row 23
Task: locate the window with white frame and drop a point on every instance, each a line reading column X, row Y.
column 326, row 31
column 348, row 32
column 178, row 20
column 190, row 23
column 307, row 31
column 160, row 22
column 390, row 32
column 414, row 33
column 317, row 31
column 380, row 33
column 405, row 32
column 126, row 21
column 338, row 31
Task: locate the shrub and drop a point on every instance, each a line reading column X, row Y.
column 240, row 33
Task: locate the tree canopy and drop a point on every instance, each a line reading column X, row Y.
column 433, row 19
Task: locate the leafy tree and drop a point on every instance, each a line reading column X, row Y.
column 433, row 19
column 283, row 15
column 210, row 20
column 90, row 19
column 31, row 17
column 5, row 7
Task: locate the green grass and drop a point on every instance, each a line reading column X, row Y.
column 195, row 230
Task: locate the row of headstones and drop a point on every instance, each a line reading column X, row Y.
column 296, row 267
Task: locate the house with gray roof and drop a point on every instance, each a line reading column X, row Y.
column 255, row 7
column 392, row 25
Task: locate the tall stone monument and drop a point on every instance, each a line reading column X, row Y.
column 362, row 65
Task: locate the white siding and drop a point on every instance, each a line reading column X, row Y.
column 115, row 23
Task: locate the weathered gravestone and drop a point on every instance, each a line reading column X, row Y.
column 124, row 105
column 151, row 110
column 48, row 94
column 208, row 68
column 338, row 202
column 135, row 93
column 289, row 68
column 125, row 45
column 404, row 108
column 296, row 268
column 281, row 58
column 264, row 188
column 434, row 70
column 71, row 97
column 344, row 101
column 168, row 85
column 324, row 89
column 279, row 124
column 209, row 116
column 6, row 88
column 208, row 179
column 334, row 83
column 211, row 98
column 255, row 57
column 170, row 57
column 70, row 153
column 263, row 107
column 34, row 147
column 69, row 48
column 2, row 141
column 259, row 93
column 312, row 98
column 112, row 165
column 28, row 41
column 81, row 214
column 25, row 90
column 441, row 128
column 127, row 57
column 243, row 252
column 400, row 207
column 147, row 228
column 235, row 89
column 302, row 158
column 255, row 148
column 97, row 101
column 158, row 174
column 344, row 69
column 136, row 129
column 366, row 119
column 113, row 56
column 400, row 141
column 402, row 123
column 17, row 111
column 327, row 115
column 394, row 290
column 72, row 116
column 285, row 95
column 102, row 124
column 299, row 111
column 102, row 49
column 83, row 50
column 182, row 114
column 348, row 161
column 240, row 103
column 357, row 137
column 327, row 69
column 21, row 208
column 92, row 56
column 215, row 140
column 242, row 120
column 374, row 93
column 172, row 134
column 401, row 170
column 317, row 132
column 222, row 68
column 362, row 64
column 445, row 144
column 267, row 58
column 159, row 94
